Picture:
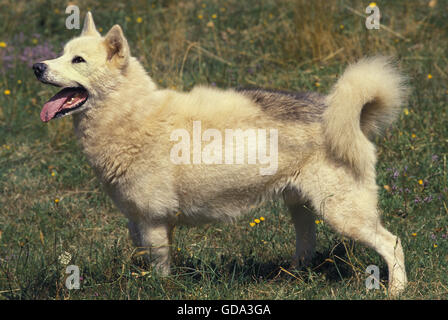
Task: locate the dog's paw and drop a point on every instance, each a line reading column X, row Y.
column 396, row 287
column 302, row 261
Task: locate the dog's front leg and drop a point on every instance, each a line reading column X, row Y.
column 154, row 241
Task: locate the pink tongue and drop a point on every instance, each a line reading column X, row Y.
column 56, row 103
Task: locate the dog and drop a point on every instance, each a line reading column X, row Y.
column 325, row 157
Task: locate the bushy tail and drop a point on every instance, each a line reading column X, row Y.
column 365, row 100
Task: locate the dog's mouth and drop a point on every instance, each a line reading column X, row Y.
column 63, row 103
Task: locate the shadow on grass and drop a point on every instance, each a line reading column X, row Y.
column 331, row 264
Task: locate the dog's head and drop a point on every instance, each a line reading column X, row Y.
column 89, row 67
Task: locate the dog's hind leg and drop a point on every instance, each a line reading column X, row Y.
column 305, row 227
column 350, row 206
column 154, row 241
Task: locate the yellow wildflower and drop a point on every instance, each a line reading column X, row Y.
column 406, row 111
column 262, row 218
column 372, row 4
column 257, row 221
column 414, row 234
column 413, row 135
column 19, row 81
column 214, row 16
column 3, row 44
column 429, row 76
column 252, row 224
column 139, row 20
column 200, row 16
column 420, row 182
column 341, row 26
column 7, row 92
column 56, row 200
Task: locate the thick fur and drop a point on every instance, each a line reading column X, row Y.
column 324, row 156
column 364, row 101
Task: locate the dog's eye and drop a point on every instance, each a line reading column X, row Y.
column 78, row 59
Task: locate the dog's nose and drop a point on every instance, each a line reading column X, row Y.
column 39, row 69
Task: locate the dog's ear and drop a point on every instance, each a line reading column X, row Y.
column 89, row 26
column 117, row 46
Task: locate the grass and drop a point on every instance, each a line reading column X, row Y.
column 51, row 202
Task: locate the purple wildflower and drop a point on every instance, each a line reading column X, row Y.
column 18, row 38
column 396, row 174
column 37, row 53
column 13, row 55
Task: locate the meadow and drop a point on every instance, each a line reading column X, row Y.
column 53, row 211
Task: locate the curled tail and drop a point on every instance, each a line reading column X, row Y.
column 365, row 100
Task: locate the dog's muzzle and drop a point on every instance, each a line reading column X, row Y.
column 39, row 69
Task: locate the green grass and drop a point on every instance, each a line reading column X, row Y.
column 293, row 45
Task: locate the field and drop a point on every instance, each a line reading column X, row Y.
column 52, row 205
